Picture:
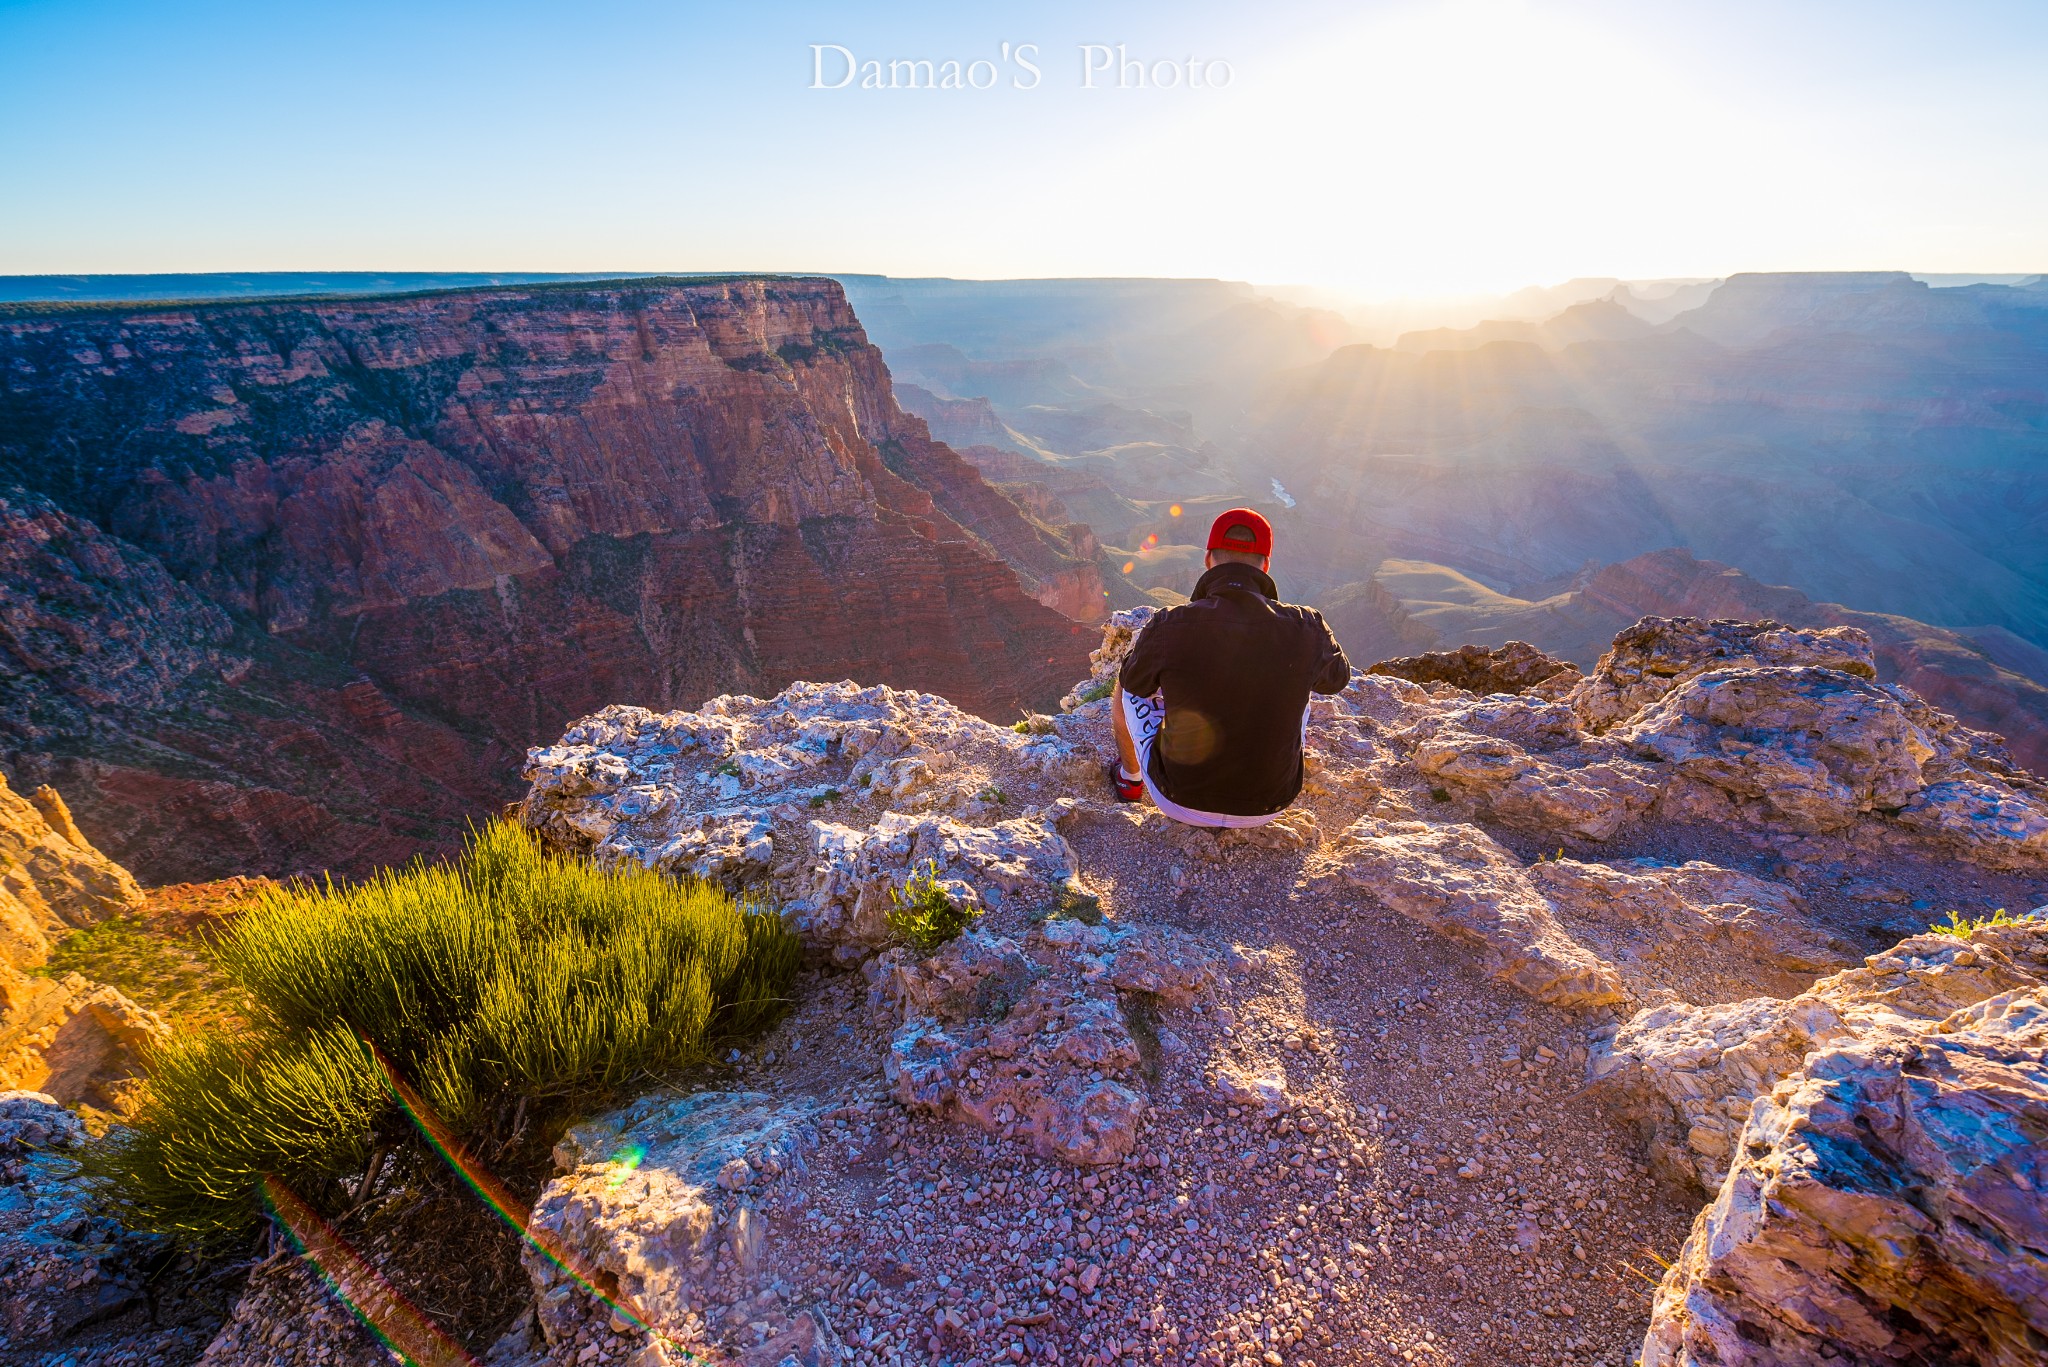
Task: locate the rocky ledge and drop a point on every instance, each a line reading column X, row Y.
column 1426, row 1071
column 1717, row 807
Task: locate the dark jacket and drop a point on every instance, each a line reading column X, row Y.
column 1236, row 666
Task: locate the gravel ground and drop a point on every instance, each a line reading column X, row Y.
column 1438, row 1190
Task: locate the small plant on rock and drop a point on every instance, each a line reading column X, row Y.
column 924, row 915
column 1101, row 688
column 1961, row 927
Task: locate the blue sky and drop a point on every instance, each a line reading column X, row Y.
column 1404, row 146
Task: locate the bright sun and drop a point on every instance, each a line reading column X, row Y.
column 1469, row 146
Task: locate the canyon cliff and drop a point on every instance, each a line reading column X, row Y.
column 292, row 584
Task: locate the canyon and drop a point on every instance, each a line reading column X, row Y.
column 303, row 577
column 290, row 585
column 1861, row 437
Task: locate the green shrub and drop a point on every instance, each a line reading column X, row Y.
column 1961, row 927
column 510, row 982
column 921, row 913
column 1100, row 688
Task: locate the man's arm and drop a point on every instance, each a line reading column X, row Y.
column 1333, row 670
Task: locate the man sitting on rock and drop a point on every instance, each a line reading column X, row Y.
column 1211, row 706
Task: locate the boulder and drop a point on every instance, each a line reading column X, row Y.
column 1654, row 656
column 827, row 797
column 667, row 1200
column 1801, row 749
column 1883, row 1206
column 1516, row 667
column 858, row 873
column 1690, row 1074
column 1527, row 793
column 1458, row 880
column 1036, row 1040
column 62, row 1262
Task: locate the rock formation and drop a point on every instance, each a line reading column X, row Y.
column 1516, row 667
column 66, row 1036
column 1959, row 671
column 65, row 1262
column 1059, row 1025
column 290, row 584
column 1882, row 1200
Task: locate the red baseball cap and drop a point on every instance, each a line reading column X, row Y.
column 1241, row 529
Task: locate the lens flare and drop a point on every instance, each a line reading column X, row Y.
column 624, row 1163
column 1130, row 565
column 372, row 1299
column 1174, row 511
column 1151, row 540
column 601, row 1285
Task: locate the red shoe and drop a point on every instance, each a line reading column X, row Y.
column 1127, row 789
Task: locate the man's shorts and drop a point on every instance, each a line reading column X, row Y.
column 1143, row 717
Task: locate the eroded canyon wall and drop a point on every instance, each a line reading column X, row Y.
column 293, row 584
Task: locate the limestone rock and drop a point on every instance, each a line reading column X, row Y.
column 61, row 1261
column 74, row 1039
column 1516, row 667
column 1813, row 748
column 829, row 796
column 1691, row 1073
column 1883, row 1207
column 1037, row 1041
column 1652, row 904
column 665, row 1197
column 52, row 880
column 1981, row 814
column 77, row 1040
column 1657, row 654
column 1590, row 802
column 856, row 872
column 1457, row 879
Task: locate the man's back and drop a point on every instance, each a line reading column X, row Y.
column 1236, row 667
